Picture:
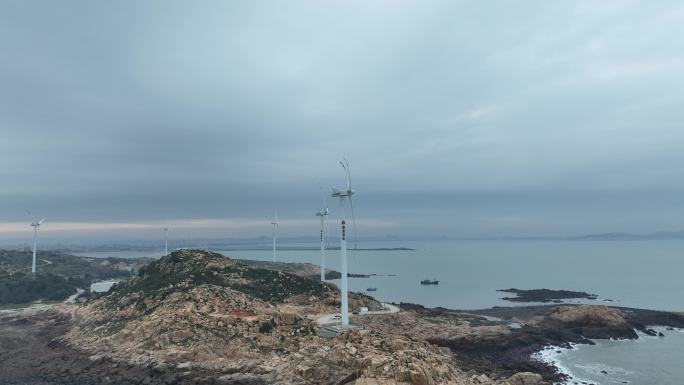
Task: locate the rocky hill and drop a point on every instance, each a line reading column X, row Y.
column 200, row 310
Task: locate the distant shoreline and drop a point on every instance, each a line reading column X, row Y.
column 318, row 248
column 151, row 247
column 220, row 249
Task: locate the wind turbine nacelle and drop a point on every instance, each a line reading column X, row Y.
column 342, row 193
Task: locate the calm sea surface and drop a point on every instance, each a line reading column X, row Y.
column 645, row 361
column 644, row 274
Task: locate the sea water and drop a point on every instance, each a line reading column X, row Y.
column 645, row 361
column 643, row 274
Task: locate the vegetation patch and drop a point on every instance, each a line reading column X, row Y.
column 24, row 288
column 58, row 275
column 185, row 269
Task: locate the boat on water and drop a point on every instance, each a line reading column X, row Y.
column 372, row 289
column 429, row 282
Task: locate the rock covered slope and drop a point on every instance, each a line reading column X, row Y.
column 199, row 310
column 308, row 270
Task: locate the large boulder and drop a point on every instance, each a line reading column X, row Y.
column 591, row 321
column 526, row 378
column 288, row 318
column 588, row 315
column 244, row 379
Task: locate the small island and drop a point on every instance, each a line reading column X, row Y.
column 545, row 295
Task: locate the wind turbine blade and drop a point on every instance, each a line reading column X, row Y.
column 351, row 206
column 325, row 204
column 40, row 222
column 347, row 171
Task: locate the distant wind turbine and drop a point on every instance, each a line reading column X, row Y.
column 35, row 225
column 323, row 214
column 275, row 234
column 166, row 240
column 343, row 195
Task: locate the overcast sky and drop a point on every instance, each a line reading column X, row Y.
column 478, row 118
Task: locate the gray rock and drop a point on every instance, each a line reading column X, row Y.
column 526, row 378
column 242, row 379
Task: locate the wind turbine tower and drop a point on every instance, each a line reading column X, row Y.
column 323, row 214
column 343, row 195
column 35, row 225
column 275, row 234
column 166, row 240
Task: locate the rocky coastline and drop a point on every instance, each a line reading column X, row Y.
column 197, row 317
column 507, row 338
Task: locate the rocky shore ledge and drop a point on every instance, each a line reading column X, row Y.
column 196, row 317
column 500, row 341
column 545, row 295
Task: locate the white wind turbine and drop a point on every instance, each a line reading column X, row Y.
column 35, row 225
column 275, row 234
column 343, row 195
column 166, row 240
column 323, row 214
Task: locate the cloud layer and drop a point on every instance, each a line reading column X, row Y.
column 469, row 118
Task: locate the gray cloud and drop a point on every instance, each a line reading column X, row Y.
column 518, row 119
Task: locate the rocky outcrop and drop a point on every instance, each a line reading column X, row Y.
column 196, row 310
column 590, row 321
column 545, row 295
column 495, row 347
column 526, row 378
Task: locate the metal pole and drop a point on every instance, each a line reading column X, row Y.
column 35, row 241
column 322, row 248
column 274, row 242
column 343, row 255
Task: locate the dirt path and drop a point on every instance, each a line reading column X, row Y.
column 327, row 319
